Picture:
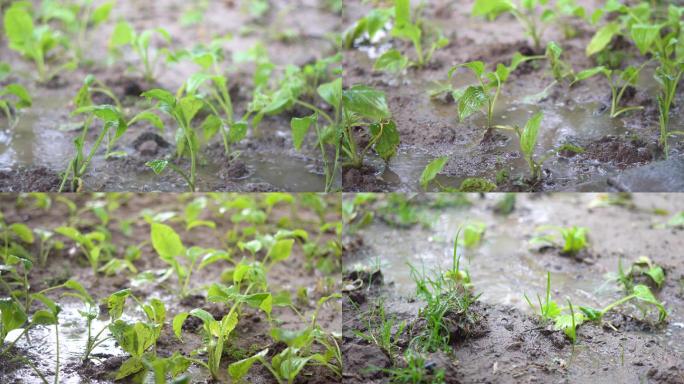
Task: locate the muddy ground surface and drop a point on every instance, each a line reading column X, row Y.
column 430, row 128
column 251, row 335
column 40, row 147
column 508, row 344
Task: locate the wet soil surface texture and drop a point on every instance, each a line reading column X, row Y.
column 577, row 115
column 500, row 338
column 270, row 35
column 130, row 264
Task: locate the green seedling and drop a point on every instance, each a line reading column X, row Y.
column 408, row 28
column 172, row 366
column 365, row 107
column 137, row 339
column 456, row 275
column 472, row 234
column 444, row 294
column 484, row 95
column 77, row 17
column 506, row 205
column 47, row 243
column 183, row 110
column 640, row 293
column 95, row 245
column 13, row 98
column 124, row 35
column 641, row 267
column 549, row 309
column 304, row 87
column 288, row 364
column 383, row 331
column 415, row 371
column 528, row 137
column 183, row 261
column 33, row 42
column 668, row 76
column 619, row 81
column 367, row 27
column 222, row 118
column 533, row 15
column 571, row 240
column 216, row 332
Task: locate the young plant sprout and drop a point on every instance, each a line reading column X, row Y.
column 124, row 35
column 533, row 15
column 114, row 126
column 365, row 107
column 549, row 310
column 472, row 234
column 528, row 142
column 77, row 18
column 571, row 240
column 619, row 81
column 484, row 95
column 182, row 108
column 406, row 28
column 33, row 42
column 13, row 98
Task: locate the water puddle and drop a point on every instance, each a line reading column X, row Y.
column 37, row 140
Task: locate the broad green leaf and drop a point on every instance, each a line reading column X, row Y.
column 23, row 231
column 76, row 286
column 238, row 131
column 591, row 313
column 190, row 105
column 492, row 8
column 644, row 35
column 281, row 250
column 331, row 92
column 391, row 61
column 177, row 324
column 214, row 257
column 19, row 28
column 21, row 93
column 472, row 100
column 528, row 138
column 161, row 95
column 644, row 294
column 656, row 274
column 432, row 170
column 123, row 34
column 116, row 303
column 210, row 126
column 602, row 38
column 150, row 117
column 239, row 369
column 12, row 317
column 158, row 166
column 588, row 73
column 300, row 127
column 129, row 367
column 387, row 137
column 366, row 102
column 166, row 242
column 43, row 317
column 101, row 13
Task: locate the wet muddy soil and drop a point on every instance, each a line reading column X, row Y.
column 430, row 128
column 510, row 345
column 293, row 32
column 294, row 276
